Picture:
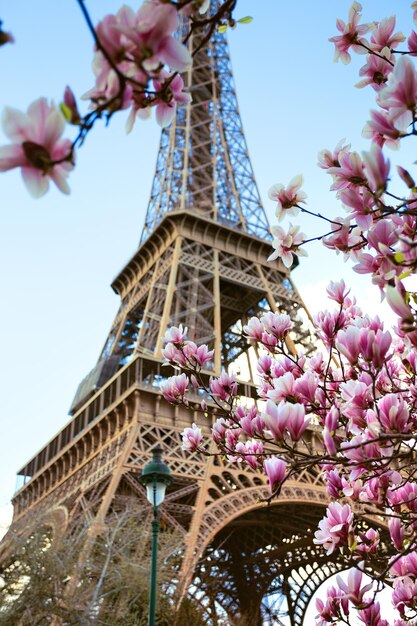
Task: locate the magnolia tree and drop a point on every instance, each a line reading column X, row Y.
column 361, row 390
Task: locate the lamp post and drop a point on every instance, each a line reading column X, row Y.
column 156, row 477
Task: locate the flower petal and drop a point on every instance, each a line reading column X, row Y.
column 11, row 156
column 54, row 127
column 59, row 175
column 36, row 181
column 16, row 125
column 175, row 54
column 164, row 114
column 38, row 113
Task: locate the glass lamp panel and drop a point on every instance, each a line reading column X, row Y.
column 155, row 492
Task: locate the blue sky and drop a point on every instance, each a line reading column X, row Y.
column 59, row 254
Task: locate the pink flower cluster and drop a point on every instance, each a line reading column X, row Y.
column 178, row 351
column 378, row 232
column 135, row 47
column 361, row 397
column 336, row 528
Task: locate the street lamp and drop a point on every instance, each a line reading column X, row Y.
column 156, row 477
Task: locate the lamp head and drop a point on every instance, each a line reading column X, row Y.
column 156, row 477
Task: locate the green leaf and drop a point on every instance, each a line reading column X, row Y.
column 399, row 257
column 222, row 28
column 404, row 274
column 245, row 20
column 66, row 111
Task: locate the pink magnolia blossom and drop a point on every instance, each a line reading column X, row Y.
column 376, row 169
column 331, row 421
column 412, row 43
column 297, row 422
column 381, row 130
column 108, row 86
column 277, row 324
column 393, row 413
column 286, row 417
column 347, row 342
column 176, row 335
column 264, row 363
column 352, row 587
column 334, row 529
column 275, row 469
column 371, row 616
column 287, row 245
column 337, row 291
column 345, row 238
column 378, row 488
column 174, row 355
column 407, row 179
column 361, row 205
column 37, row 146
column 153, row 40
column 405, row 566
column 254, row 329
column 351, row 36
column 357, row 398
column 250, row 421
column 368, row 542
column 399, row 97
column 405, row 594
column 218, row 431
column 172, row 95
column 380, row 267
column 231, row 437
column 191, row 438
column 404, row 497
column 173, row 389
column 327, row 159
column 283, row 388
column 197, row 355
column 376, row 71
column 329, row 323
column 305, row 387
column 139, row 45
column 396, row 299
column 383, row 236
column 349, row 172
column 396, row 531
column 250, row 452
column 287, row 198
column 336, row 606
column 275, row 419
column 374, row 346
column 361, row 449
column 224, row 387
column 269, row 341
column 383, row 35
column 333, row 483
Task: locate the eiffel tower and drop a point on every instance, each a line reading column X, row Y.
column 201, row 263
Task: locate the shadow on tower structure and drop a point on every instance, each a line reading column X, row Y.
column 201, row 263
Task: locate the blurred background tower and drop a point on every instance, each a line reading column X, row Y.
column 201, row 263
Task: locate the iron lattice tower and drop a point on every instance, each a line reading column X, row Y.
column 201, row 263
